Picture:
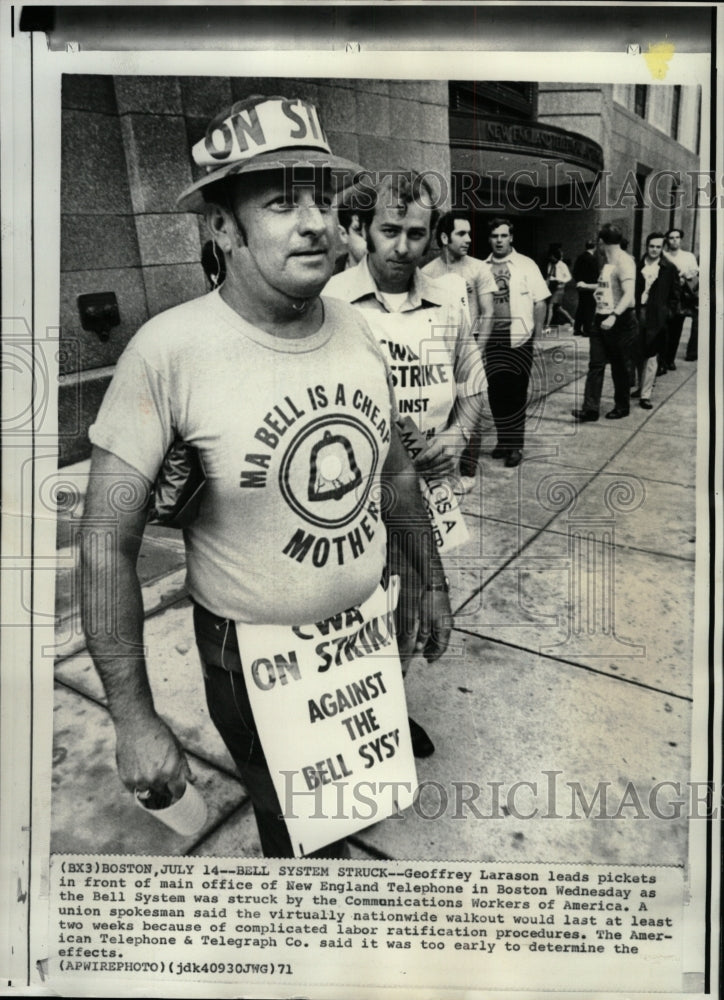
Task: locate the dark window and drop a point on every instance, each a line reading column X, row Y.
column 673, row 203
column 499, row 99
column 675, row 107
column 640, row 92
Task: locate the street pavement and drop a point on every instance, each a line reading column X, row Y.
column 567, row 689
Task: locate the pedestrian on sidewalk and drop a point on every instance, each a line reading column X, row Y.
column 657, row 301
column 585, row 275
column 613, row 339
column 231, row 373
column 519, row 307
column 454, row 236
column 557, row 277
column 688, row 268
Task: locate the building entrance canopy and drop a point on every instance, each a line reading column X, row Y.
column 541, row 156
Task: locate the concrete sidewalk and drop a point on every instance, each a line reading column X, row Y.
column 570, row 664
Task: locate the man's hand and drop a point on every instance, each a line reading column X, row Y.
column 435, row 624
column 149, row 756
column 147, row 753
column 609, row 322
column 413, row 556
column 441, row 457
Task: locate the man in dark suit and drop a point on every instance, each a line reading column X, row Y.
column 585, row 275
column 657, row 301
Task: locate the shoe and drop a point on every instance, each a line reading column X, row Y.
column 584, row 415
column 514, row 458
column 635, row 394
column 465, row 484
column 646, row 404
column 661, row 370
column 692, row 358
column 672, row 366
column 499, row 451
column 422, row 745
column 616, row 414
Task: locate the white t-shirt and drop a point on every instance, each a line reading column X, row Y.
column 519, row 287
column 685, row 262
column 559, row 272
column 475, row 273
column 610, row 290
column 650, row 272
column 293, row 435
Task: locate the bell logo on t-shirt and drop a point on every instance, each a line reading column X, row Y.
column 320, row 474
column 333, row 469
column 323, row 449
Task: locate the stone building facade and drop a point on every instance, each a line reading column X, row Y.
column 562, row 159
column 649, row 136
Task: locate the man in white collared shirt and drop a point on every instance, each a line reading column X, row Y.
column 422, row 324
column 423, row 327
column 519, row 308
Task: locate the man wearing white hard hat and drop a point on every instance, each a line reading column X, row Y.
column 259, row 375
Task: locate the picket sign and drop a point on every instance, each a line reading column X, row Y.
column 448, row 524
column 329, row 707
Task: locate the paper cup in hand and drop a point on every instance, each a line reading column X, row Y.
column 187, row 815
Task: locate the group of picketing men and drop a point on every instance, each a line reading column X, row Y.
column 634, row 315
column 291, row 381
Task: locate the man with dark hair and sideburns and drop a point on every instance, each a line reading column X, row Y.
column 258, row 375
column 454, row 235
column 423, row 327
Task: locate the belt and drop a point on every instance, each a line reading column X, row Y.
column 214, row 629
column 617, row 315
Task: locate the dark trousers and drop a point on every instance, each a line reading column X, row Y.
column 673, row 338
column 508, row 370
column 618, row 348
column 585, row 313
column 692, row 348
column 230, row 711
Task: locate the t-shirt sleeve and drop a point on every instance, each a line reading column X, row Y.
column 135, row 421
column 485, row 281
column 468, row 363
column 537, row 284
